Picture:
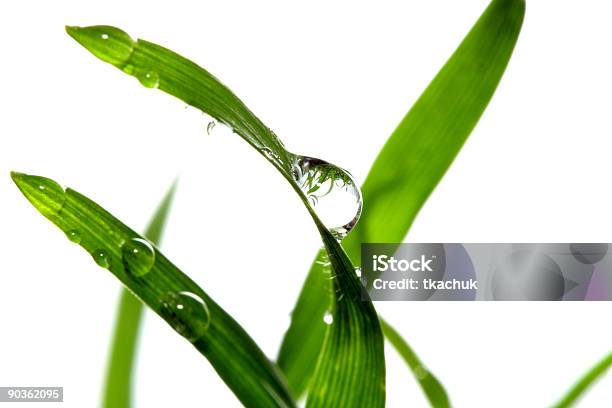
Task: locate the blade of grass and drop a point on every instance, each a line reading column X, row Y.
column 158, row 67
column 433, row 389
column 253, row 378
column 410, row 165
column 119, row 376
column 589, row 378
column 155, row 66
column 351, row 366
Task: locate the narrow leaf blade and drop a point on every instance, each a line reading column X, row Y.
column 411, row 164
column 351, row 368
column 433, row 389
column 119, row 377
column 158, row 67
column 233, row 354
column 589, row 378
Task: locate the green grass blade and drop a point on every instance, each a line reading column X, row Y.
column 158, row 67
column 119, row 376
column 170, row 293
column 433, row 389
column 351, row 368
column 574, row 394
column 357, row 327
column 410, row 165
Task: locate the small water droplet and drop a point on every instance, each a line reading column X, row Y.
column 271, row 155
column 49, row 195
column 187, row 313
column 210, row 127
column 358, row 271
column 138, row 256
column 150, row 79
column 74, row 236
column 108, row 43
column 328, row 318
column 101, row 258
column 420, row 372
column 331, row 191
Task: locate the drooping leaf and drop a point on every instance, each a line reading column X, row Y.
column 158, row 67
column 589, row 378
column 119, row 376
column 433, row 389
column 410, row 165
column 150, row 276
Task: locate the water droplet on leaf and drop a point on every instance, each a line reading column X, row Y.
column 358, row 271
column 101, row 258
column 420, row 372
column 328, row 318
column 150, row 79
column 271, row 155
column 331, row 191
column 48, row 196
column 138, row 256
column 74, row 236
column 187, row 313
column 210, row 127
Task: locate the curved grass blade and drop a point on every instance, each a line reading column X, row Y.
column 119, row 376
column 410, row 165
column 433, row 389
column 574, row 394
column 351, row 366
column 253, row 378
column 155, row 66
column 158, row 67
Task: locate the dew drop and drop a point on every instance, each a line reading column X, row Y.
column 420, row 372
column 358, row 271
column 187, row 313
column 210, row 127
column 108, row 43
column 271, row 155
column 101, row 258
column 331, row 191
column 50, row 196
column 138, row 256
column 150, row 79
column 328, row 318
column 74, row 236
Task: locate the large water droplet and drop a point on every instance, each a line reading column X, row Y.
column 331, row 191
column 187, row 313
column 101, row 258
column 74, row 236
column 138, row 256
column 150, row 79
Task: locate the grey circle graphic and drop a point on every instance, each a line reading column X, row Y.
column 589, row 253
column 528, row 275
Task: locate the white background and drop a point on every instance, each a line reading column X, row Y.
column 333, row 80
